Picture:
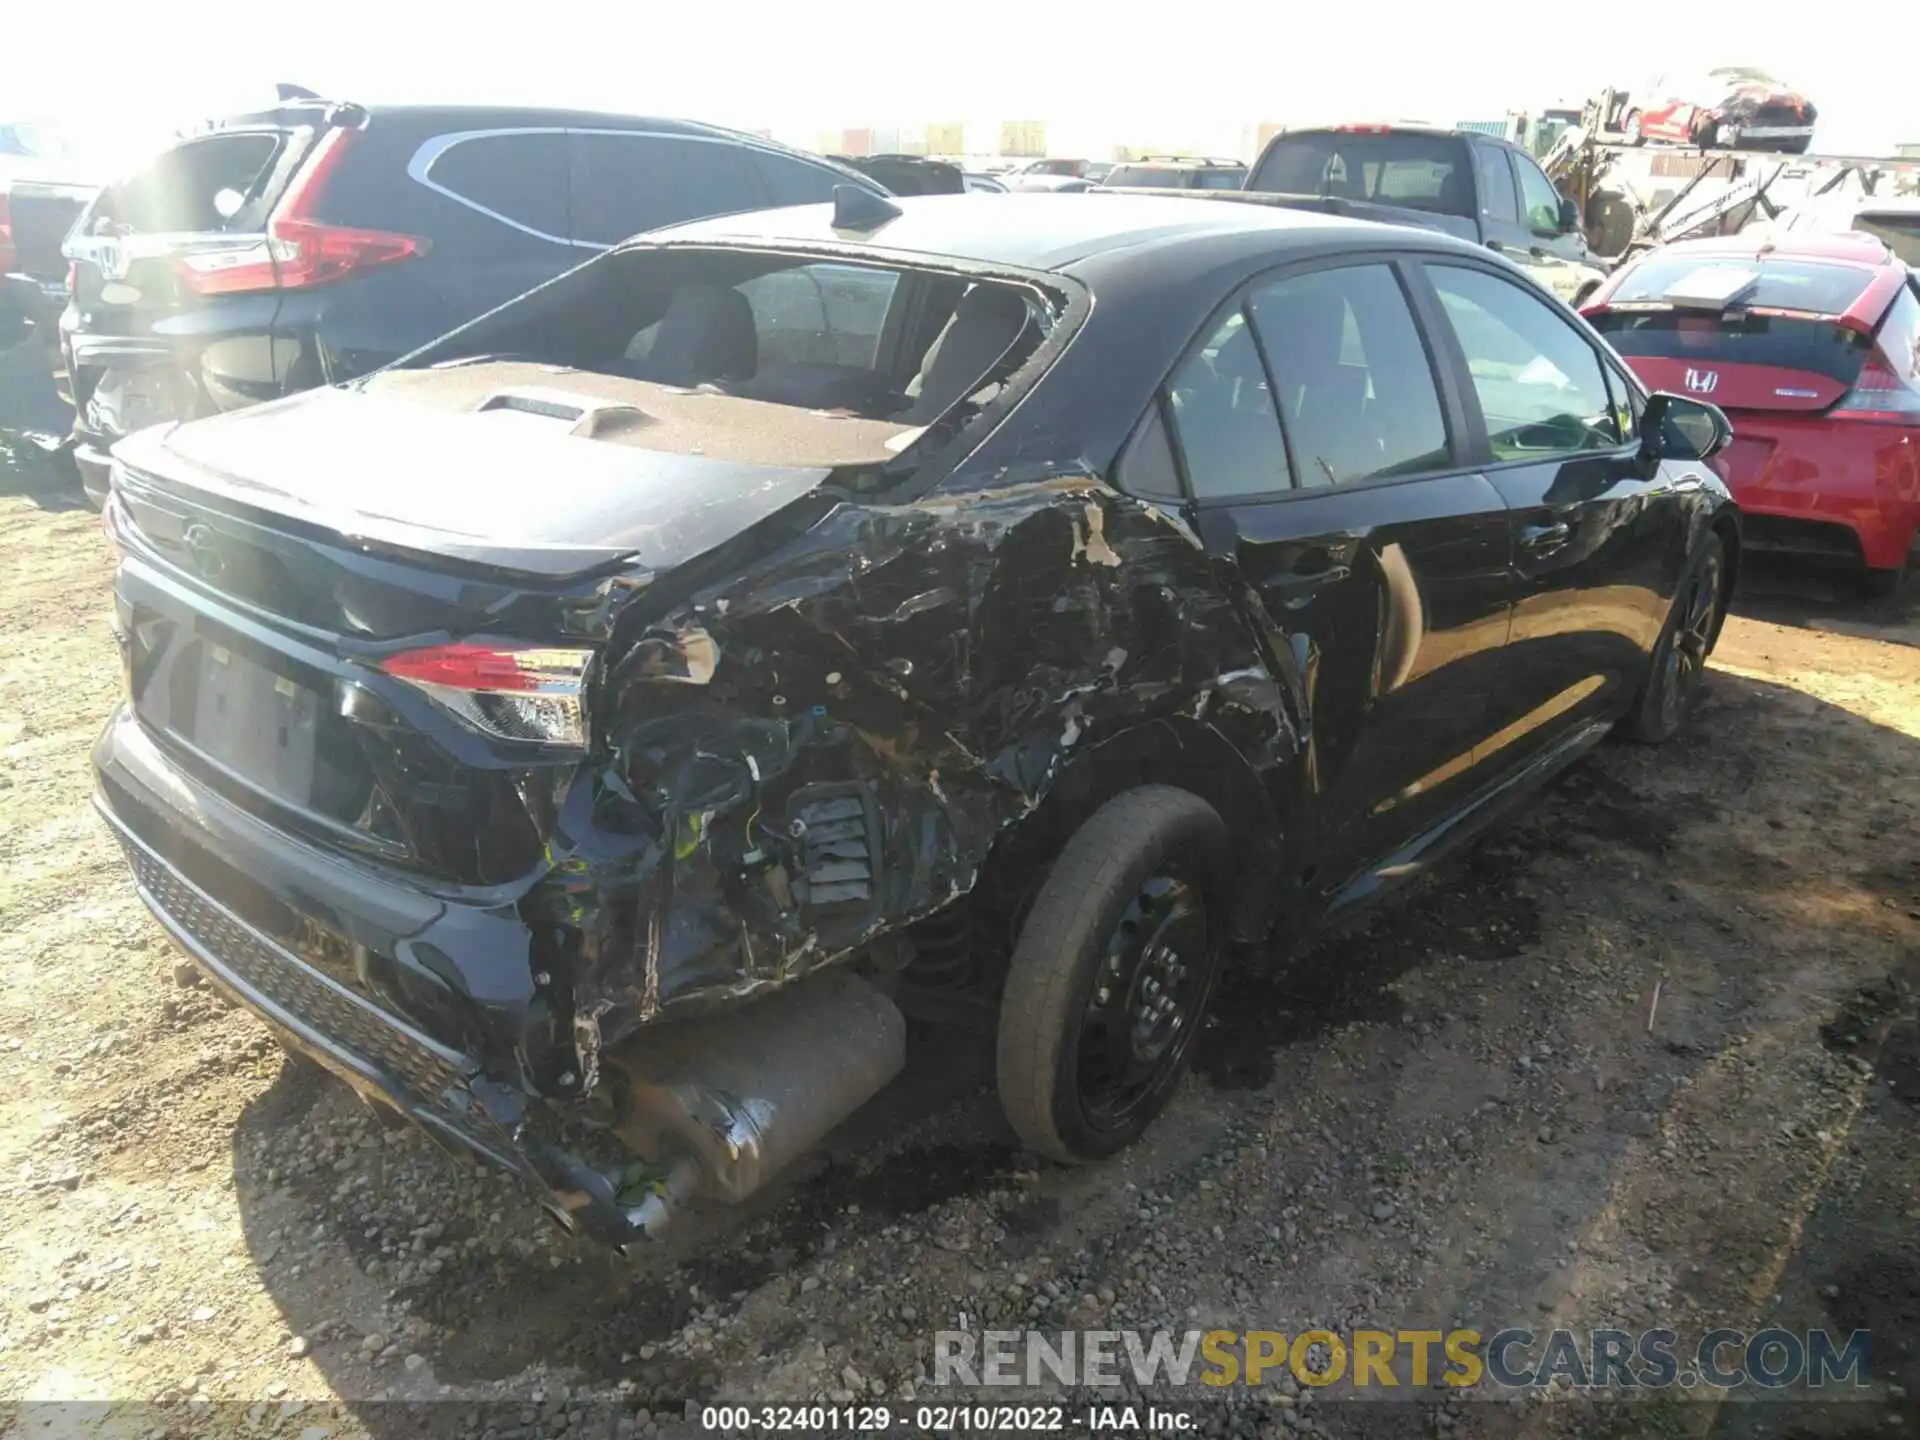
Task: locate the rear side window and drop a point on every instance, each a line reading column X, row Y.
column 1356, row 391
column 1146, row 466
column 1223, row 417
column 518, row 178
column 180, row 190
column 788, row 181
column 625, row 184
column 1541, row 386
column 1496, row 185
column 1420, row 172
column 1221, row 179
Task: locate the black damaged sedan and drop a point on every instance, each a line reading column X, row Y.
column 593, row 735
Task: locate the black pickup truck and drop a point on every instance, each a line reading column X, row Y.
column 1476, row 186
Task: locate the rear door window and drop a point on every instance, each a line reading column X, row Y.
column 1221, row 179
column 516, row 178
column 624, row 184
column 1496, row 185
column 1541, row 386
column 791, row 181
column 1356, row 391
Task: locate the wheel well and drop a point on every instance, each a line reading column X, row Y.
column 1176, row 751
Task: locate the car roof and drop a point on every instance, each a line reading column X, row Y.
column 1038, row 230
column 1843, row 247
column 482, row 117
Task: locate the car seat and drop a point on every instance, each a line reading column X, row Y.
column 984, row 325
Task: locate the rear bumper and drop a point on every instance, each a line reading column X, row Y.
column 180, row 838
column 1740, row 132
column 1856, row 474
column 94, row 465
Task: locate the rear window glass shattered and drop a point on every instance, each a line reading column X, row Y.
column 743, row 355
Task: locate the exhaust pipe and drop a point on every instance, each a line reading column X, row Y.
column 725, row 1102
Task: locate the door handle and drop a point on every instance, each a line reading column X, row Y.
column 1536, row 538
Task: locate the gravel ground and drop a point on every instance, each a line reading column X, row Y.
column 1470, row 1111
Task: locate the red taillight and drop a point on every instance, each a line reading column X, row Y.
column 475, row 667
column 512, row 692
column 1879, row 394
column 6, row 233
column 299, row 251
column 73, row 277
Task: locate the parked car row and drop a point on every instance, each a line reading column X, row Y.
column 314, row 242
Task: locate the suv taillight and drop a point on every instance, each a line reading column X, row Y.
column 511, row 692
column 1879, row 394
column 299, row 251
column 6, row 233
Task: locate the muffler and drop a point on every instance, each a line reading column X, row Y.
column 744, row 1093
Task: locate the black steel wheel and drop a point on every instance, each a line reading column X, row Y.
column 1679, row 669
column 1110, row 981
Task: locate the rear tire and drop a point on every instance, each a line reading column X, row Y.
column 1110, row 979
column 1678, row 670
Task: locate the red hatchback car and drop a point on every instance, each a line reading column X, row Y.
column 1811, row 345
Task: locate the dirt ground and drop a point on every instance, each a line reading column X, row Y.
column 1472, row 1110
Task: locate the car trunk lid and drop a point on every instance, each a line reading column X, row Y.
column 529, row 469
column 298, row 559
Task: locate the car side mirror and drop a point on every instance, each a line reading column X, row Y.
column 1569, row 216
column 1673, row 427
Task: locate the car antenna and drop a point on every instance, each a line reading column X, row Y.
column 857, row 208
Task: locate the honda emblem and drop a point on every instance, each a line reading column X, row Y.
column 1703, row 382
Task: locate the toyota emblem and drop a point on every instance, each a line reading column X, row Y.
column 1703, row 382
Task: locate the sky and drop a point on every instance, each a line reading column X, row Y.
column 1198, row 75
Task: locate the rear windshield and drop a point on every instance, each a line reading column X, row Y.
column 1161, row 176
column 1814, row 346
column 846, row 361
column 1809, row 286
column 1901, row 232
column 1418, row 172
column 210, row 183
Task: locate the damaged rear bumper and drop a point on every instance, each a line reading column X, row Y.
column 390, row 1063
column 349, row 966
